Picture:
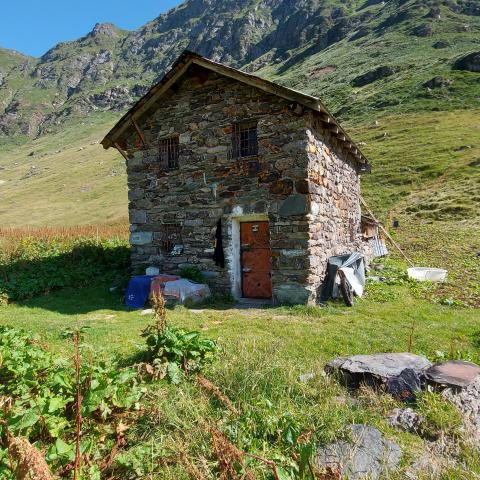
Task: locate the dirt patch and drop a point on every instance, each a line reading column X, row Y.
column 320, row 72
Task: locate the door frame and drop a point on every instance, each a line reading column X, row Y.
column 235, row 253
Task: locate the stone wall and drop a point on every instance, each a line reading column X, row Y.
column 209, row 185
column 335, row 217
column 308, row 194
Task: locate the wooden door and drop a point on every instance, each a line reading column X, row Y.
column 255, row 260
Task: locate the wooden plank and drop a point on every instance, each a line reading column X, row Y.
column 140, row 133
column 124, row 155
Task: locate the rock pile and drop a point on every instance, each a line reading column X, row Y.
column 368, row 454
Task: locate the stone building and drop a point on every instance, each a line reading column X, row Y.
column 255, row 184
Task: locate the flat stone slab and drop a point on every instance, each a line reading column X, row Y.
column 382, row 366
column 368, row 455
column 454, row 373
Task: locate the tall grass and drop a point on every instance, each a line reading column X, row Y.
column 37, row 260
column 46, row 233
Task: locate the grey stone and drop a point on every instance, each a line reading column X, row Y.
column 438, row 82
column 291, row 294
column 208, row 274
column 382, row 366
column 294, row 205
column 370, row 77
column 306, row 377
column 369, row 455
column 405, row 419
column 467, row 400
column 470, row 62
column 138, row 216
column 141, row 238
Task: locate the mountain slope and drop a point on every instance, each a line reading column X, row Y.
column 321, row 46
column 390, row 69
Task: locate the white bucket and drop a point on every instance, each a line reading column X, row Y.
column 423, row 274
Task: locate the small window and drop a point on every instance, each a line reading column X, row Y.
column 171, row 237
column 244, row 140
column 168, row 153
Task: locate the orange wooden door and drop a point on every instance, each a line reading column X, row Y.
column 255, row 260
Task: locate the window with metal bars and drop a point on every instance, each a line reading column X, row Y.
column 168, row 152
column 244, row 140
column 170, row 236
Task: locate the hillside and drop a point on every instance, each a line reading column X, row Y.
column 359, row 56
column 393, row 72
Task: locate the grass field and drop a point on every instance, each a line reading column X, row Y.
column 263, row 353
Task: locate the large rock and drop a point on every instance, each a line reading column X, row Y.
column 441, row 44
column 377, row 368
column 453, row 374
column 438, row 82
column 467, row 401
column 294, row 205
column 470, row 62
column 373, row 75
column 368, row 455
column 423, row 30
column 291, row 294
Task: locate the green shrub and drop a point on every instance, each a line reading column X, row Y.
column 38, row 266
column 193, row 274
column 40, row 388
column 175, row 351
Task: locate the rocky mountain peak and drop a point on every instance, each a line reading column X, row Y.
column 105, row 29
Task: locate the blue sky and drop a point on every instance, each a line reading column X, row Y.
column 34, row 26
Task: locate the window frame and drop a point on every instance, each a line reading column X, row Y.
column 244, row 139
column 170, row 235
column 169, row 152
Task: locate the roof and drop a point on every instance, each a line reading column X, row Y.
column 188, row 58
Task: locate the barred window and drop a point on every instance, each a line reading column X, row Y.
column 244, row 140
column 170, row 236
column 168, row 152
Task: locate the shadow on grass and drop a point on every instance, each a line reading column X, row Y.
column 79, row 300
column 67, row 280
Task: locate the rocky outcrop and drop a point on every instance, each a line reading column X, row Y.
column 470, row 62
column 115, row 98
column 423, row 30
column 374, row 75
column 441, row 44
column 438, row 82
column 250, row 34
column 104, row 29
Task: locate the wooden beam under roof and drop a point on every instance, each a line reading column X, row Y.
column 119, row 148
column 140, row 133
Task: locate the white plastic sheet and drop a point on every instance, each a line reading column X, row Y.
column 184, row 290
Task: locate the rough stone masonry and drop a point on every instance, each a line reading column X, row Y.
column 301, row 181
